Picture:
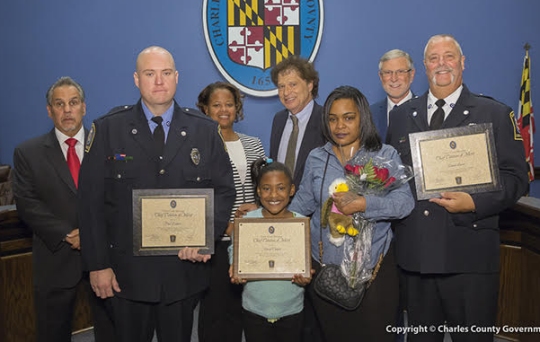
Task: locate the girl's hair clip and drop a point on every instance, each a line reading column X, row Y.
column 269, row 160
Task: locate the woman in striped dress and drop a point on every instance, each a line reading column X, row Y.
column 221, row 309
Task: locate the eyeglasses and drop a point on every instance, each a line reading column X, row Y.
column 398, row 73
column 61, row 104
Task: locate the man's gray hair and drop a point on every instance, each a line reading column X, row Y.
column 396, row 53
column 443, row 37
column 64, row 81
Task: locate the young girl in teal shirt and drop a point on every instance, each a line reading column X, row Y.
column 272, row 309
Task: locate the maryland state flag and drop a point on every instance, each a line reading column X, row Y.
column 525, row 117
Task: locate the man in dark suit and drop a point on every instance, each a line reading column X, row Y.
column 396, row 71
column 298, row 85
column 448, row 247
column 297, row 82
column 46, row 197
column 154, row 144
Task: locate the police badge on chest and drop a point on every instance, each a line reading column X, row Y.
column 195, row 156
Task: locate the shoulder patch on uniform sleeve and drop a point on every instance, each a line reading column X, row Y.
column 90, row 138
column 517, row 134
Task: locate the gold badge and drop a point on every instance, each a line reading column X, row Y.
column 90, row 138
column 195, row 156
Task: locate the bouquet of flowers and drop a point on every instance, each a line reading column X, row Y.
column 376, row 175
column 368, row 175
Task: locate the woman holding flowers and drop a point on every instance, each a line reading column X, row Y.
column 373, row 197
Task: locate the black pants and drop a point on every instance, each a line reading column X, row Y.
column 286, row 329
column 220, row 315
column 54, row 309
column 136, row 321
column 311, row 331
column 370, row 320
column 461, row 300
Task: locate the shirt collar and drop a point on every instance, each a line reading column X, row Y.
column 450, row 100
column 390, row 105
column 167, row 116
column 305, row 113
column 61, row 137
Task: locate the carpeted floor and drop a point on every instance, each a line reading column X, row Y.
column 88, row 336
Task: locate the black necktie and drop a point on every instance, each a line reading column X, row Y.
column 159, row 134
column 291, row 147
column 438, row 116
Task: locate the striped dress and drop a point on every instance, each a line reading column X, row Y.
column 245, row 193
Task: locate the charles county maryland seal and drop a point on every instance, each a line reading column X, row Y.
column 246, row 38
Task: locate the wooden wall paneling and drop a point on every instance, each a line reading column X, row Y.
column 530, row 292
column 519, row 296
column 509, row 288
column 17, row 321
column 82, row 317
column 16, row 298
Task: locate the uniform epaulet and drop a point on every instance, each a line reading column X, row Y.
column 119, row 109
column 485, row 96
column 491, row 98
column 195, row 112
column 115, row 110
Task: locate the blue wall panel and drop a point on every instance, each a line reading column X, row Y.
column 96, row 42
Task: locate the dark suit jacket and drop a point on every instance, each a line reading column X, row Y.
column 432, row 240
column 313, row 137
column 46, row 200
column 378, row 111
column 106, row 196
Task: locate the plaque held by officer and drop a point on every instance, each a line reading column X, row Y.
column 455, row 159
column 166, row 220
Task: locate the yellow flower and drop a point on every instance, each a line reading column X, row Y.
column 342, row 187
column 352, row 231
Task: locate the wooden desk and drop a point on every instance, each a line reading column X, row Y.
column 519, row 291
column 17, row 322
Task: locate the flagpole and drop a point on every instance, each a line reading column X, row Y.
column 527, row 46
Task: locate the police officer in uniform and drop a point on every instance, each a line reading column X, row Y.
column 154, row 144
column 448, row 248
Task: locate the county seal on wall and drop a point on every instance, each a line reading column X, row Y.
column 246, row 38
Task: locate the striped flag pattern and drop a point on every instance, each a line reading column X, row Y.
column 525, row 117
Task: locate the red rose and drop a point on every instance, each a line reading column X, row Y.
column 349, row 168
column 358, row 169
column 389, row 181
column 382, row 173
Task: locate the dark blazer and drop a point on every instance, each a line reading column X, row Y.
column 106, row 196
column 46, row 200
column 378, row 111
column 313, row 137
column 432, row 240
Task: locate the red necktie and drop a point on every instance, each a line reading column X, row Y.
column 73, row 160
